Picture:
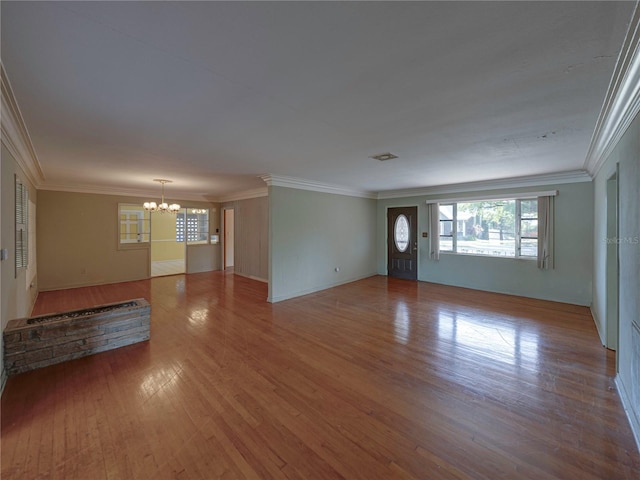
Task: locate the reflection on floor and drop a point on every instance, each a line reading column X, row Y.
column 167, row 267
column 375, row 379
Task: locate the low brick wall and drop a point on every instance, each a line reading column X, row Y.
column 36, row 342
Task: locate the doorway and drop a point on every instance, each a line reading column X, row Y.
column 612, row 269
column 168, row 246
column 229, row 239
column 402, row 242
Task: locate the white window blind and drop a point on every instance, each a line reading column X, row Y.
column 22, row 224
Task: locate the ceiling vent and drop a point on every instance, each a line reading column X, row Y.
column 383, row 157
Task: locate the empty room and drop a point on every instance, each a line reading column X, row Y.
column 318, row 240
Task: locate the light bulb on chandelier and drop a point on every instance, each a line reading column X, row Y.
column 164, row 207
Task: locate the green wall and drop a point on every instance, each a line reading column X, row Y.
column 313, row 233
column 627, row 156
column 569, row 281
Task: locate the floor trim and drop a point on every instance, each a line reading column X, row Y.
column 634, row 422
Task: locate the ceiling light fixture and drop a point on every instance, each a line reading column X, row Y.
column 164, row 207
column 383, row 157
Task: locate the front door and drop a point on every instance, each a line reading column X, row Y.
column 402, row 242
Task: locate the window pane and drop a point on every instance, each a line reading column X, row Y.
column 446, row 212
column 180, row 227
column 401, row 233
column 446, row 244
column 446, row 228
column 529, row 209
column 134, row 224
column 487, row 228
column 197, row 226
column 529, row 247
column 529, row 228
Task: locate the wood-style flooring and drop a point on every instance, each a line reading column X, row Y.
column 377, row 379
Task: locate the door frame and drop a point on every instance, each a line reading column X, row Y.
column 612, row 268
column 182, row 211
column 413, row 239
column 225, row 226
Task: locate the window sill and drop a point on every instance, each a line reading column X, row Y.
column 503, row 257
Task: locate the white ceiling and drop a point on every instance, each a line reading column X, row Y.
column 214, row 94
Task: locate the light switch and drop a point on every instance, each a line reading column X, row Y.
column 4, row 254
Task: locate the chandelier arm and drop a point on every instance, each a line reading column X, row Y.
column 163, row 207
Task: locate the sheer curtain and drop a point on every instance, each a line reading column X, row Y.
column 434, row 227
column 545, row 232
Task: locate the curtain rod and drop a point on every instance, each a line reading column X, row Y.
column 498, row 196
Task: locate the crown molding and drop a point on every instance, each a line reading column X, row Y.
column 125, row 192
column 575, row 176
column 15, row 136
column 622, row 102
column 300, row 184
column 147, row 193
column 245, row 195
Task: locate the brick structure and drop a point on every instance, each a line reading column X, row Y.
column 36, row 342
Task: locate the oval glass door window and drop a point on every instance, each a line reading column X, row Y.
column 401, row 233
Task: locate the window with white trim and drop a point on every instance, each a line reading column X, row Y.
column 22, row 225
column 493, row 227
column 134, row 224
column 197, row 226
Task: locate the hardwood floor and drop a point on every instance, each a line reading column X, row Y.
column 378, row 379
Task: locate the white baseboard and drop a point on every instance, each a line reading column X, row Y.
column 596, row 321
column 317, row 289
column 252, row 277
column 634, row 421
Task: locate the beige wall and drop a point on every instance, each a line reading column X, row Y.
column 78, row 241
column 163, row 237
column 205, row 258
column 229, row 237
column 251, row 249
column 162, row 250
column 17, row 297
column 199, row 258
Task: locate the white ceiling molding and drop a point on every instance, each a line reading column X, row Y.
column 246, row 195
column 125, row 192
column 15, row 136
column 520, row 182
column 300, row 184
column 622, row 102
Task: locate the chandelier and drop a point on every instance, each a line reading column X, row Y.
column 164, row 207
